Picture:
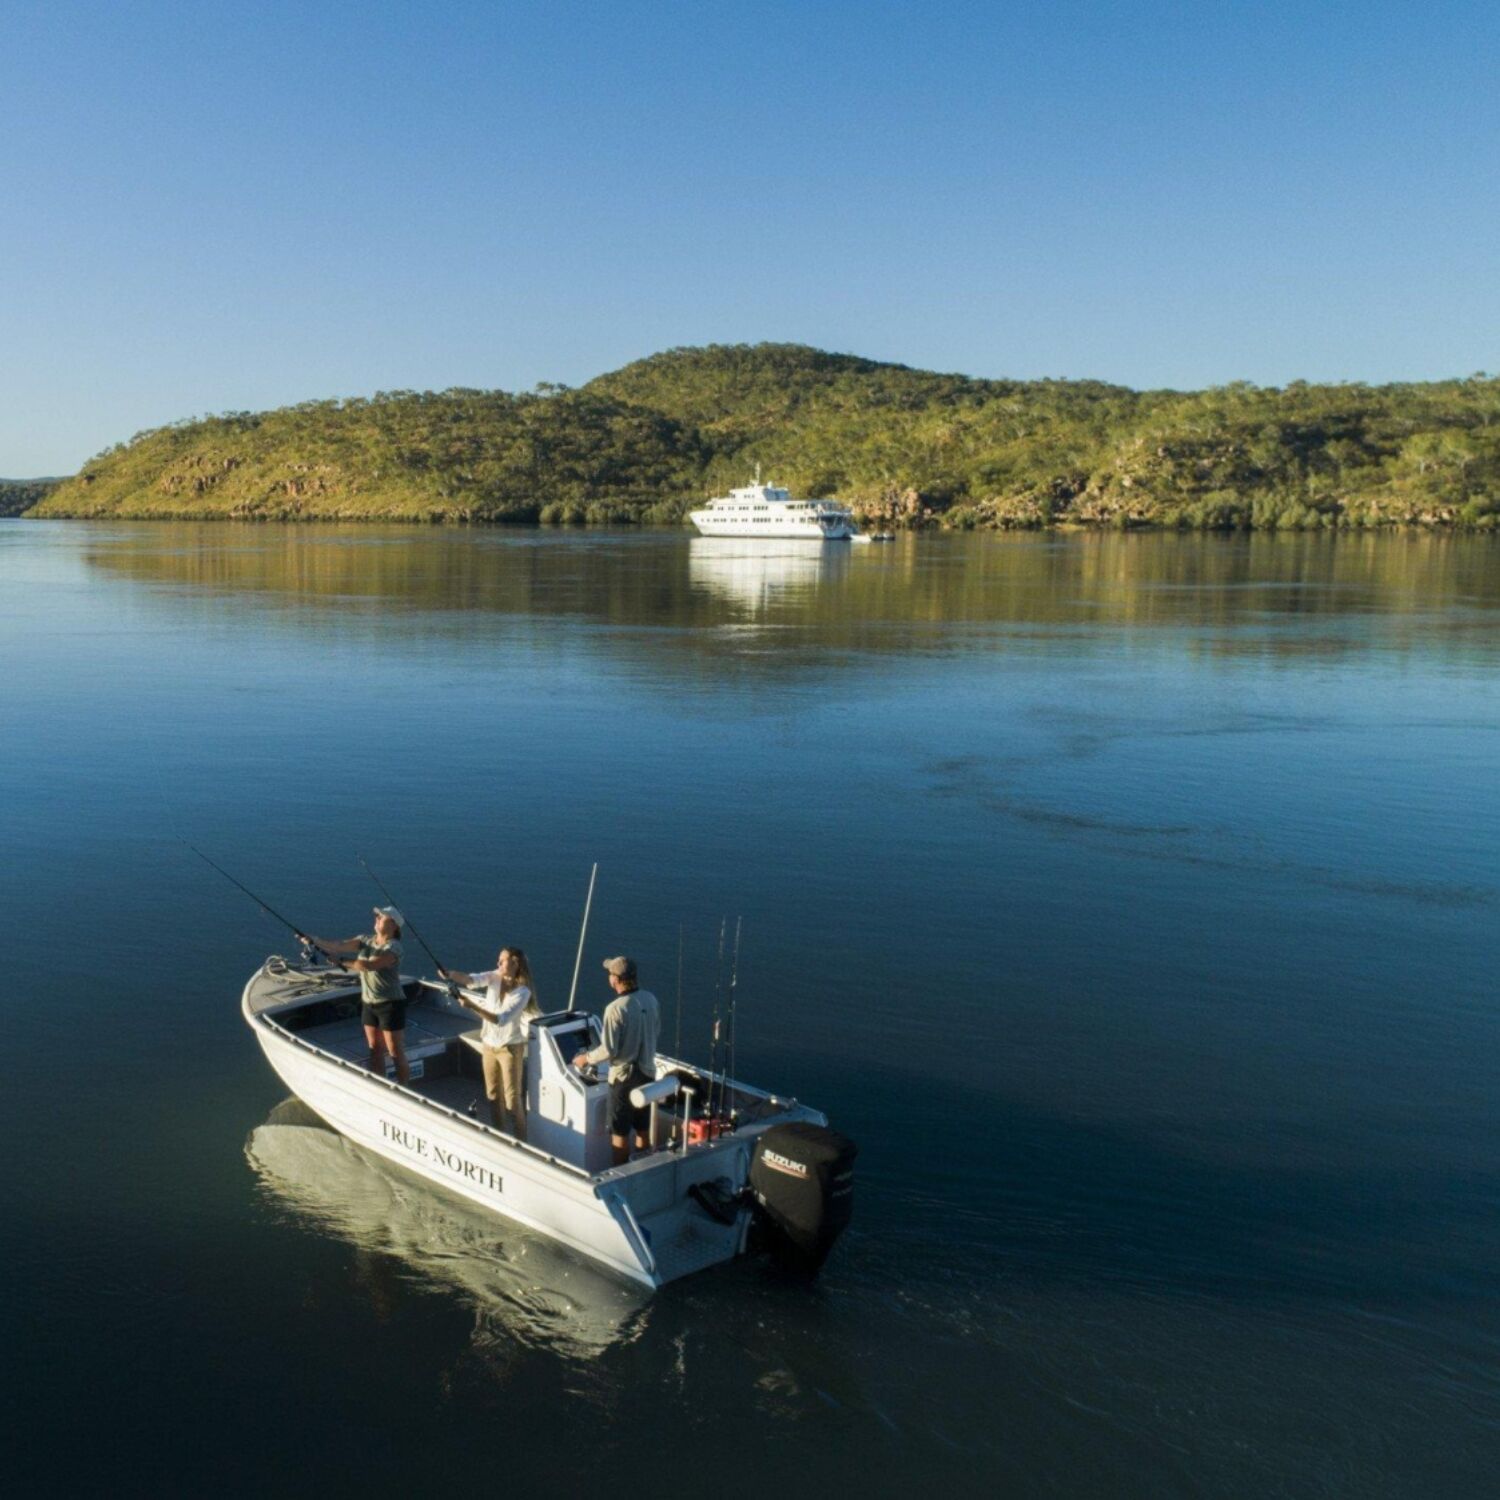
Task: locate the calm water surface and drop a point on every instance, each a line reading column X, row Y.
column 1131, row 900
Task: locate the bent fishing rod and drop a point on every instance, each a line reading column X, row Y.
column 391, row 901
column 270, row 911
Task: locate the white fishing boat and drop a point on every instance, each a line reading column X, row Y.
column 730, row 1167
column 767, row 510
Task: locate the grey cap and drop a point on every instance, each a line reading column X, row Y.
column 621, row 968
column 392, row 913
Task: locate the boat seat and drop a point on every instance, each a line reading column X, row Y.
column 471, row 1039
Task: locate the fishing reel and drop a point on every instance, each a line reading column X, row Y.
column 315, row 961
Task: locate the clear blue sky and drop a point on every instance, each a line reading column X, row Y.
column 211, row 207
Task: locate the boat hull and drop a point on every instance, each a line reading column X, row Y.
column 450, row 1150
column 781, row 531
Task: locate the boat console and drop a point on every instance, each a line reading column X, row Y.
column 567, row 1113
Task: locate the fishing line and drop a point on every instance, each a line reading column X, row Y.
column 270, row 911
column 411, row 926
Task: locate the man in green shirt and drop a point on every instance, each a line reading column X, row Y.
column 377, row 961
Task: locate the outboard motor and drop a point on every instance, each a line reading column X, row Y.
column 802, row 1180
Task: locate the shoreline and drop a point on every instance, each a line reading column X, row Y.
column 1341, row 526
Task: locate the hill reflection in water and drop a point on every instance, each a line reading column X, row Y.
column 1340, row 593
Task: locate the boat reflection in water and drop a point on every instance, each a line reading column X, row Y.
column 521, row 1287
column 756, row 574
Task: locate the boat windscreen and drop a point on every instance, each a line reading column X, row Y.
column 571, row 1039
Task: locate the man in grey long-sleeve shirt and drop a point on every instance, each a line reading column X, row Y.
column 632, row 1021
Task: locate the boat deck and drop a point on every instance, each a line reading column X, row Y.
column 464, row 1096
column 430, row 1035
column 428, row 1032
column 684, row 1239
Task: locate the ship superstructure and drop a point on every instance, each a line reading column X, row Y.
column 768, row 510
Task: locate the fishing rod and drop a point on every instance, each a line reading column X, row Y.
column 270, row 911
column 734, row 979
column 411, row 926
column 677, row 1045
column 583, row 933
column 713, row 1051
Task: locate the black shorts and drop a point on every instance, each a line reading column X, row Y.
column 389, row 1015
column 623, row 1115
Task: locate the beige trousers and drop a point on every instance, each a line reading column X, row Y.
column 503, row 1086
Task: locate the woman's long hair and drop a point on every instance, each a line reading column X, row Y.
column 523, row 976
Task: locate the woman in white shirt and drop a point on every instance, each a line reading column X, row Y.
column 509, row 1003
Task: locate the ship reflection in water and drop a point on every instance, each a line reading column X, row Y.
column 754, row 574
column 522, row 1288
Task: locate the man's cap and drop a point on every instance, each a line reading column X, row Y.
column 392, row 913
column 621, row 968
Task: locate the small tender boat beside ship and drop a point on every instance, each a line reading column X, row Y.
column 767, row 510
column 730, row 1167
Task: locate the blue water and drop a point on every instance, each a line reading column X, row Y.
column 1130, row 899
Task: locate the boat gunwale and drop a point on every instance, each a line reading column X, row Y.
column 264, row 1018
column 618, row 1173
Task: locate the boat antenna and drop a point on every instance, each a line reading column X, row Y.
column 270, row 911
column 713, row 1051
column 411, row 926
column 583, row 933
column 734, row 979
column 677, row 1044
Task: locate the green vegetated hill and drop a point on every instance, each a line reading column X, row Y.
column 18, row 495
column 647, row 442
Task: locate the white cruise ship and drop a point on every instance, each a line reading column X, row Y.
column 765, row 510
